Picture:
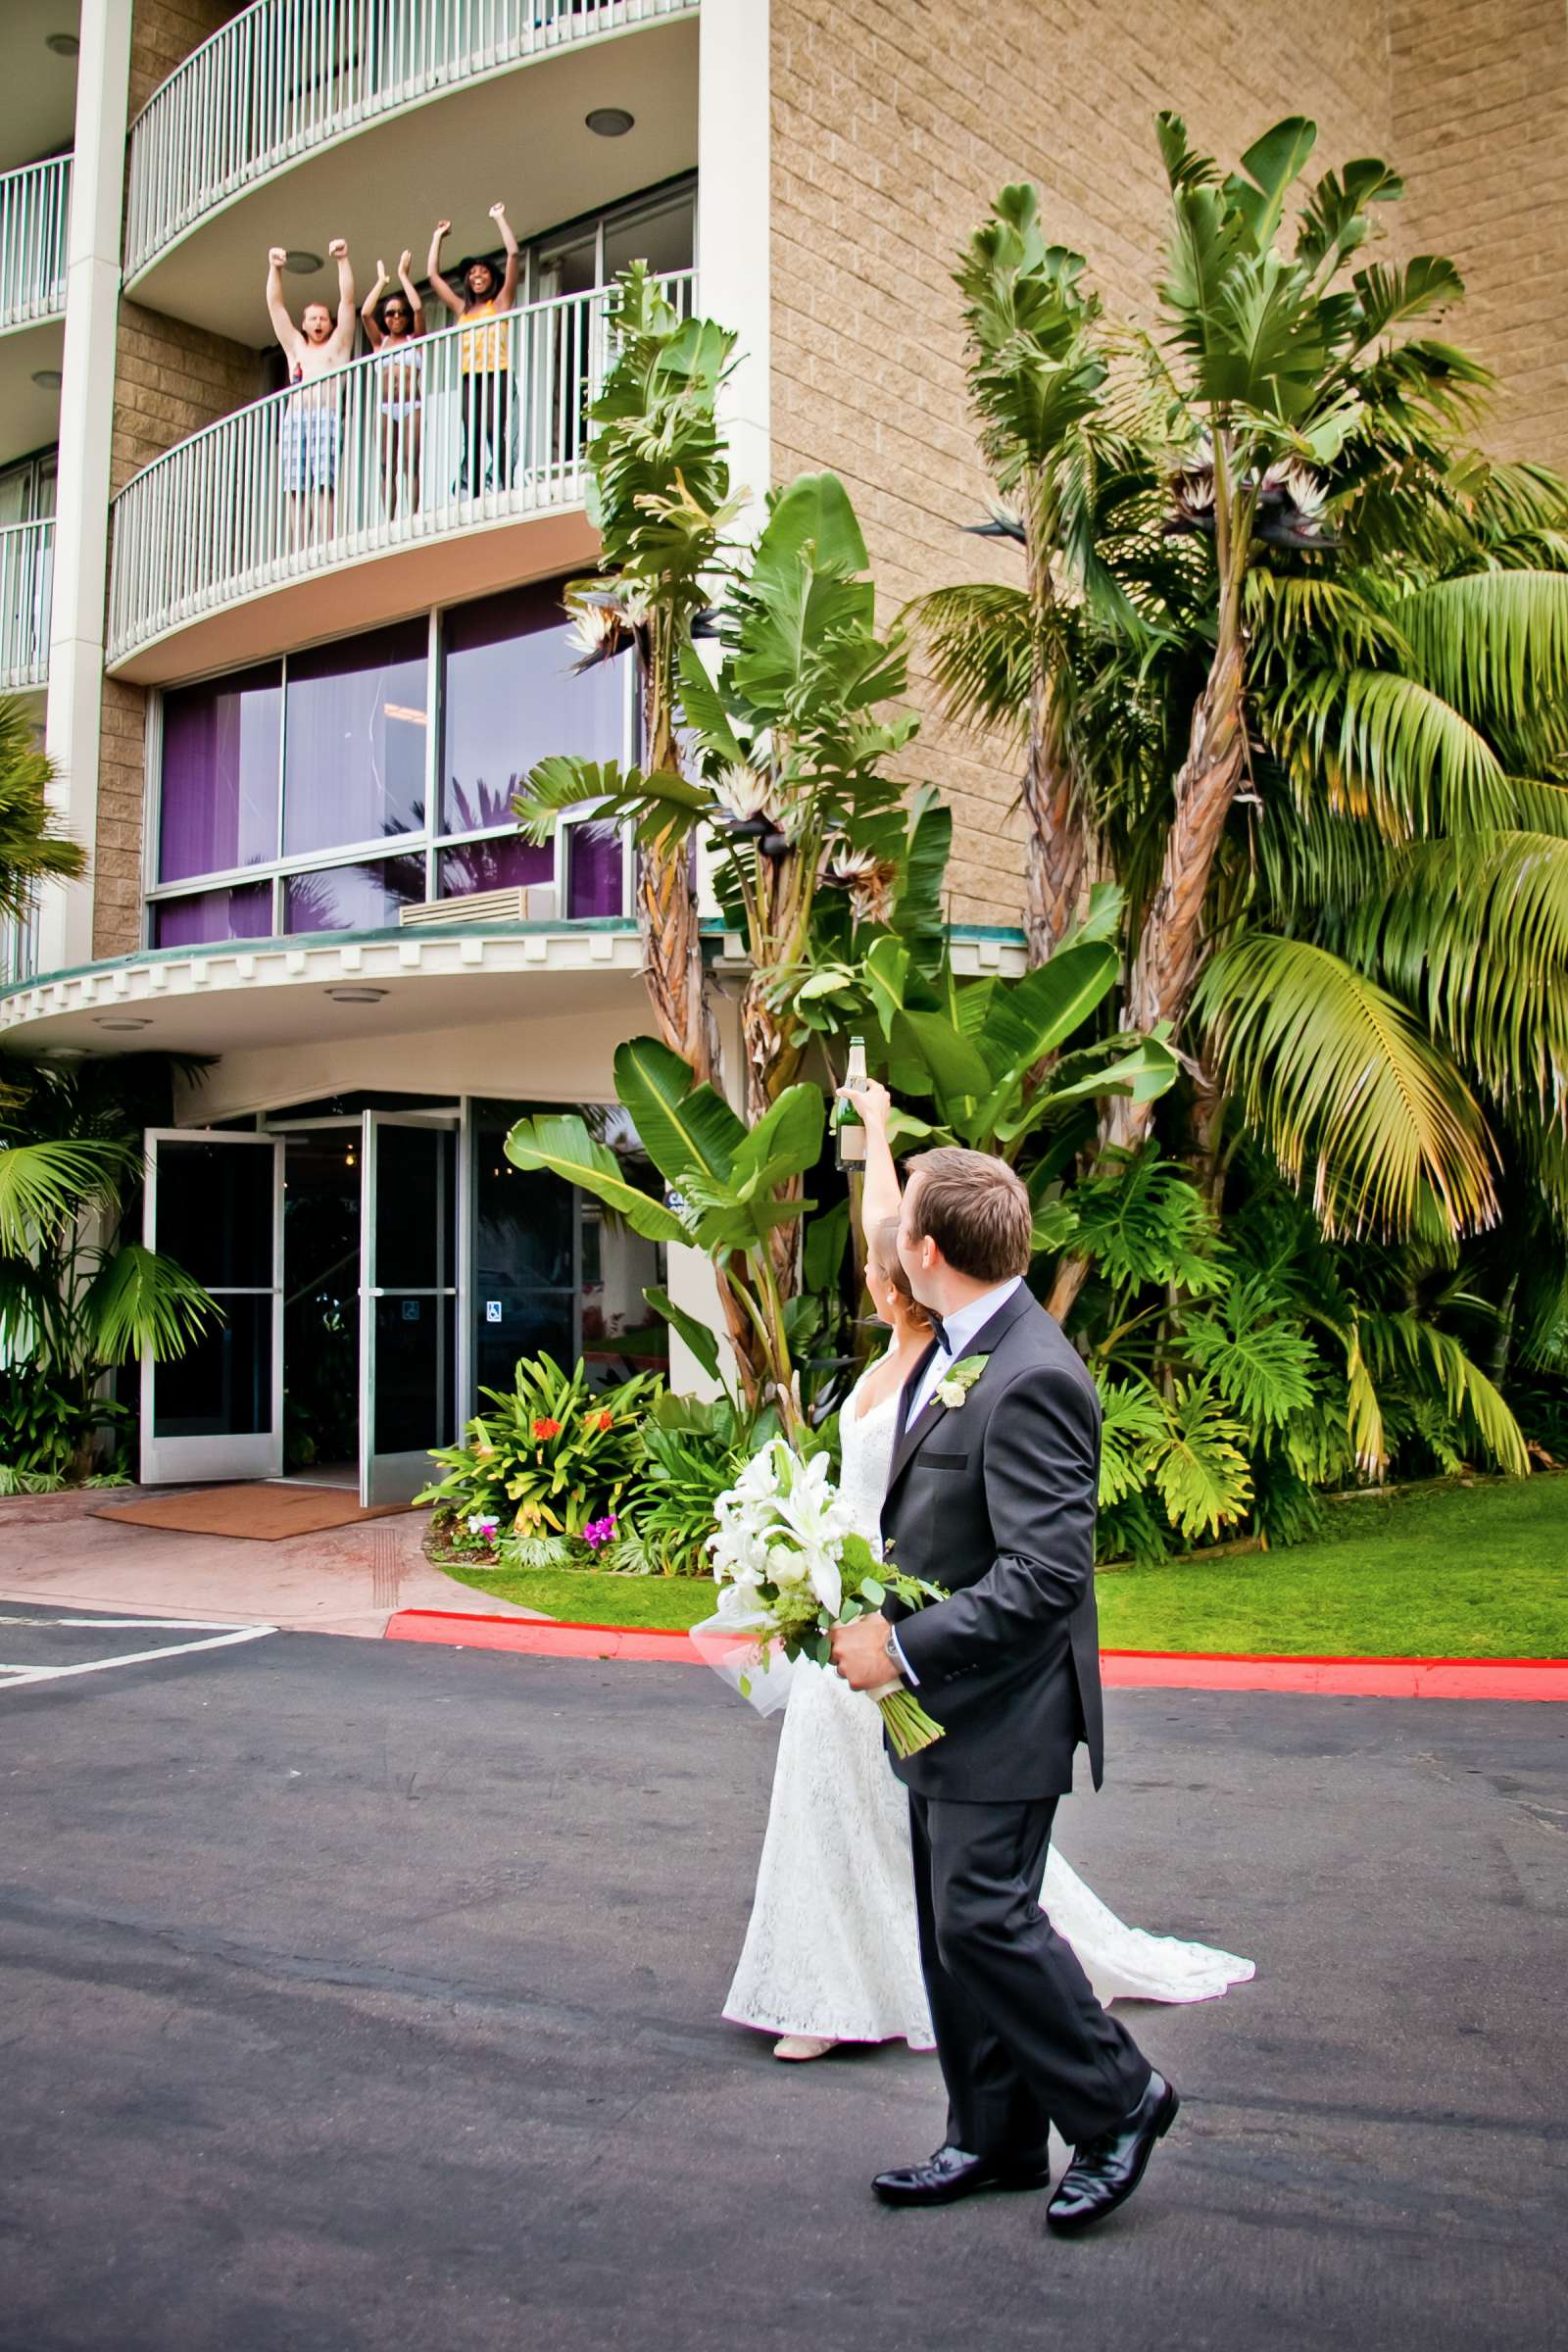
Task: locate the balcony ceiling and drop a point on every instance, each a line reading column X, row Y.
column 30, row 417
column 477, row 1010
column 37, row 90
column 519, row 137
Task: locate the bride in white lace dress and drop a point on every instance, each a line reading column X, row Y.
column 832, row 1952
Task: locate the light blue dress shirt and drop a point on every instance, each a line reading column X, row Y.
column 961, row 1328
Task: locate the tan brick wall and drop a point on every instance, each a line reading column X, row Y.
column 170, row 380
column 116, row 859
column 1481, row 134
column 895, row 121
column 164, row 32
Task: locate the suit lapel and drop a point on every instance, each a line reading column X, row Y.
column 912, row 1438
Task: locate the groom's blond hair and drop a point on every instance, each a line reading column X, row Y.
column 975, row 1208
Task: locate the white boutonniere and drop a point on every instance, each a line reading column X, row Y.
column 954, row 1386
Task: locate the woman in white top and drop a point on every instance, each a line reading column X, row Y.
column 394, row 324
column 832, row 1952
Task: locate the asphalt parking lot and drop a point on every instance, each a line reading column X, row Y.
column 360, row 1995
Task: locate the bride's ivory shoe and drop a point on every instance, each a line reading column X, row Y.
column 800, row 2046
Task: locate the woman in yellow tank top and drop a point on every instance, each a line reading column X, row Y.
column 484, row 356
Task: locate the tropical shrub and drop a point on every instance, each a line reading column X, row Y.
column 47, row 1433
column 730, row 1188
column 549, row 1457
column 78, row 1294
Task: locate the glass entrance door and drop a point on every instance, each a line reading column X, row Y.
column 407, row 1300
column 215, row 1205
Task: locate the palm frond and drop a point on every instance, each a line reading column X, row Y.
column 140, row 1304
column 1407, row 1341
column 44, row 1185
column 1340, row 1081
column 1474, row 930
column 1392, row 749
column 1493, row 644
column 981, row 644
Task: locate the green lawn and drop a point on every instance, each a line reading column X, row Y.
column 584, row 1598
column 1466, row 1572
column 1478, row 1572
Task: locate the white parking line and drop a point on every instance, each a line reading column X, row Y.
column 12, row 1677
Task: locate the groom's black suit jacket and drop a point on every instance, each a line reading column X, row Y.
column 995, row 1499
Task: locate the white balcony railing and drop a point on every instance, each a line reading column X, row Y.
column 287, row 75
column 26, row 578
column 34, row 206
column 369, row 459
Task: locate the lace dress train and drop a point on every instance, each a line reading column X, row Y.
column 832, row 1948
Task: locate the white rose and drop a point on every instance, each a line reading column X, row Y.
column 950, row 1394
column 786, row 1567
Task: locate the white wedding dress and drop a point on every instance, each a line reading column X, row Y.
column 832, row 1950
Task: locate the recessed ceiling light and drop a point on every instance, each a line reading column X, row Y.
column 609, row 122
column 356, row 996
column 120, row 1021
column 47, row 380
column 64, row 44
column 300, row 264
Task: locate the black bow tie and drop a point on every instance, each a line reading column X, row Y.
column 940, row 1332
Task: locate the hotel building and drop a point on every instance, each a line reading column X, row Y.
column 289, row 711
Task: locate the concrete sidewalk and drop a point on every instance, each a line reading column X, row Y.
column 347, row 1580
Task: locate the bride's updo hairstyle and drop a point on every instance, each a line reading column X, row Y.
column 975, row 1208
column 885, row 1247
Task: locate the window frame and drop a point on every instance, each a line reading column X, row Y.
column 428, row 843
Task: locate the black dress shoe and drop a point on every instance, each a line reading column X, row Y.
column 953, row 2173
column 1104, row 2172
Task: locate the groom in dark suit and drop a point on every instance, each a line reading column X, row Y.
column 991, row 1494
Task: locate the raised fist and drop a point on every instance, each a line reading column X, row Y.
column 337, row 251
column 443, row 229
column 276, row 256
column 498, row 212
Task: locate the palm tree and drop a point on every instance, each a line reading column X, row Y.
column 1010, row 657
column 78, row 1297
column 1350, row 638
column 660, row 496
column 31, row 849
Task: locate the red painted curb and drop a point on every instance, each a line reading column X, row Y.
column 1122, row 1669
column 543, row 1636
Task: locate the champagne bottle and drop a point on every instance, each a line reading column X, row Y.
column 849, row 1128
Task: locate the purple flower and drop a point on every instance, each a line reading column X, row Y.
column 600, row 1531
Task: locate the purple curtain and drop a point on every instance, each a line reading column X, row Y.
column 594, row 872
column 353, row 897
column 505, row 864
column 510, row 697
column 220, row 775
column 356, row 737
column 245, row 913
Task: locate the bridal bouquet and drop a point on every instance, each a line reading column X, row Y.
column 793, row 1564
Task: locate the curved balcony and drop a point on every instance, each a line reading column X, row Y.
column 34, row 208
column 321, row 509
column 27, row 579
column 286, row 79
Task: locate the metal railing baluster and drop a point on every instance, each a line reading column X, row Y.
column 286, row 74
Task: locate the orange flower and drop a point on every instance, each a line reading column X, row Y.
column 546, row 1428
column 600, row 1420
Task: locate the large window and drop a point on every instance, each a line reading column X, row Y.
column 330, row 791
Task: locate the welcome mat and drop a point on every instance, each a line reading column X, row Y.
column 261, row 1513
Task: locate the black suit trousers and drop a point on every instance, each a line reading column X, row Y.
column 1021, row 2039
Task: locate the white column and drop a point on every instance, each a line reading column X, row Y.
column 86, row 427
column 734, row 211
